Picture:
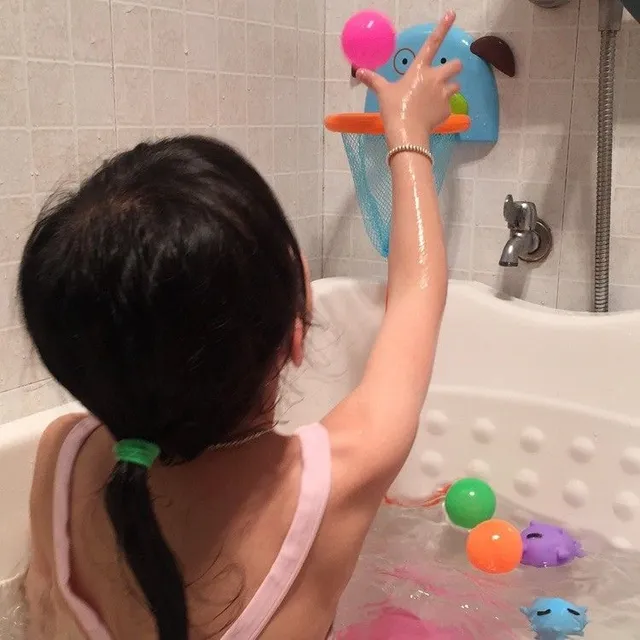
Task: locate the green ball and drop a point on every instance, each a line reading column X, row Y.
column 469, row 502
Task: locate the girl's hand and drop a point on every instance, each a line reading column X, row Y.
column 412, row 107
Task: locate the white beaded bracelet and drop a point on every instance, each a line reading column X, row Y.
column 409, row 148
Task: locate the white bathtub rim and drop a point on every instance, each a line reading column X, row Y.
column 25, row 430
column 481, row 293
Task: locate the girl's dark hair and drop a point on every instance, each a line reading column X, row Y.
column 161, row 294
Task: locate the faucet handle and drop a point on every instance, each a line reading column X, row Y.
column 511, row 211
column 520, row 215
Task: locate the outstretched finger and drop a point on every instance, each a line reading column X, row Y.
column 371, row 79
column 449, row 70
column 431, row 46
column 451, row 89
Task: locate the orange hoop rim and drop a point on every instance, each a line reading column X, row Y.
column 371, row 124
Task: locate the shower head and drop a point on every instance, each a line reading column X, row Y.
column 610, row 13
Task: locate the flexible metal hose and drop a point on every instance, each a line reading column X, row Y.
column 603, row 178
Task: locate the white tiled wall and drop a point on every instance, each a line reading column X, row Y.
column 546, row 153
column 80, row 79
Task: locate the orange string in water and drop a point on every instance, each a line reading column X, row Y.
column 433, row 500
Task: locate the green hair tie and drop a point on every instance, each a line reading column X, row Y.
column 140, row 452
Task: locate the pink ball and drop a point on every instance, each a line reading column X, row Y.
column 368, row 39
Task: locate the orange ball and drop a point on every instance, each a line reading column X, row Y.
column 494, row 546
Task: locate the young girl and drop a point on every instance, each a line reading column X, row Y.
column 166, row 295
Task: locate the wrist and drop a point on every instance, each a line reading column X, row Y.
column 404, row 137
column 409, row 149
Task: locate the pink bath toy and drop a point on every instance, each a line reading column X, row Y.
column 394, row 623
column 368, row 39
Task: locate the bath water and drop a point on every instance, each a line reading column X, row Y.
column 413, row 578
column 413, row 582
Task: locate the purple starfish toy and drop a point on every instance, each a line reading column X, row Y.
column 545, row 545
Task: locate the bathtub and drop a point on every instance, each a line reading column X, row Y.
column 543, row 404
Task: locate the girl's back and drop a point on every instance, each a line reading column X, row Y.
column 167, row 294
column 226, row 530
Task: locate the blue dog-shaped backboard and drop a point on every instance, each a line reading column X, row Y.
column 478, row 96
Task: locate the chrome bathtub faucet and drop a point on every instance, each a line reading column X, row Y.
column 529, row 236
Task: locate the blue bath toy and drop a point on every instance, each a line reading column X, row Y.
column 556, row 619
column 545, row 545
column 478, row 90
column 474, row 117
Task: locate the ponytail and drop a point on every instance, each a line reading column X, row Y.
column 138, row 535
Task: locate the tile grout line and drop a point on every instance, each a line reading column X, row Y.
column 296, row 129
column 113, row 75
column 217, row 68
column 185, row 59
column 29, row 125
column 152, row 73
column 566, row 161
column 273, row 96
column 323, row 79
column 74, row 97
column 246, row 74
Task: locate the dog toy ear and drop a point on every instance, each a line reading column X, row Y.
column 496, row 52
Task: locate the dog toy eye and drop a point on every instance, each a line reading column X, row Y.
column 403, row 60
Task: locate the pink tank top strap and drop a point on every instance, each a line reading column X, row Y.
column 315, row 486
column 84, row 614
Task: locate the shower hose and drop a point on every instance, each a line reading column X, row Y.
column 603, row 177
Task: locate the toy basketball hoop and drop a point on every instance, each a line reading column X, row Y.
column 366, row 148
